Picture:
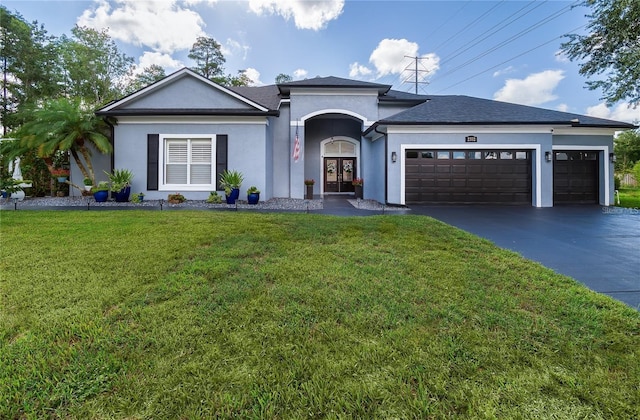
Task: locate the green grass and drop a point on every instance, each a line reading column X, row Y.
column 213, row 314
column 629, row 197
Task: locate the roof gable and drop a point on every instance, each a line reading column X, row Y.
column 183, row 92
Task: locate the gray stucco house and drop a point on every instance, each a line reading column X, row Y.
column 180, row 133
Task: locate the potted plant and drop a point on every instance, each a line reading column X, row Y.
column 137, row 198
column 101, row 191
column 309, row 193
column 88, row 184
column 60, row 173
column 231, row 181
column 13, row 188
column 357, row 184
column 176, row 198
column 253, row 195
column 120, row 184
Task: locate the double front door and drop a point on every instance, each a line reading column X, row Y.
column 339, row 174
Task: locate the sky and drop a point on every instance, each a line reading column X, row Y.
column 505, row 50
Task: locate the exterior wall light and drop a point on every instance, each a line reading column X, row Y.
column 547, row 156
column 394, row 157
column 612, row 157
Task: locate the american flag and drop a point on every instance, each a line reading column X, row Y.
column 296, row 147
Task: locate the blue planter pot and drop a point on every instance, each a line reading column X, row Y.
column 231, row 198
column 101, row 196
column 253, row 198
column 122, row 196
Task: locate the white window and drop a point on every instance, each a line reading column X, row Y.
column 188, row 162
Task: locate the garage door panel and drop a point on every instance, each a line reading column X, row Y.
column 469, row 177
column 575, row 177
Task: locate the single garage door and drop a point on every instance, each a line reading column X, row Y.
column 575, row 177
column 468, row 176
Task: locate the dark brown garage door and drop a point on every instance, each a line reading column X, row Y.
column 457, row 176
column 575, row 177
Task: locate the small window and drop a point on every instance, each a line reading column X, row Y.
column 474, row 155
column 442, row 154
column 412, row 154
column 459, row 155
column 332, row 148
column 491, row 155
column 561, row 156
column 506, row 155
column 188, row 161
column 427, row 155
column 521, row 156
column 590, row 156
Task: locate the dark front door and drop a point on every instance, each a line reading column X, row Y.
column 339, row 174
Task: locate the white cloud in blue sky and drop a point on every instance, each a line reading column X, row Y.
column 307, row 14
column 164, row 26
column 535, row 89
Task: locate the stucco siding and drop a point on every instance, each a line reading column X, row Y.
column 280, row 128
column 247, row 153
column 373, row 169
column 186, row 93
column 365, row 106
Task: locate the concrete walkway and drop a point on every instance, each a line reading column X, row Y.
column 598, row 246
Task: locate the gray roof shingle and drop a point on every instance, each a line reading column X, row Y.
column 454, row 109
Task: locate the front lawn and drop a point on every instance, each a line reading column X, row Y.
column 185, row 314
column 629, row 197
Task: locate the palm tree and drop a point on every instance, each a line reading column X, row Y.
column 65, row 125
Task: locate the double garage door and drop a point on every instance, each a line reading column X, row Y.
column 468, row 176
column 496, row 176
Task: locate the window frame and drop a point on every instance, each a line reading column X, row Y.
column 162, row 172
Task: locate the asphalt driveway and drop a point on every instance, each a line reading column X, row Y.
column 598, row 246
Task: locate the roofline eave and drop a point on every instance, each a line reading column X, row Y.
column 186, row 112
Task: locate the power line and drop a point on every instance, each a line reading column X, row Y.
column 509, row 40
column 506, row 61
column 481, row 37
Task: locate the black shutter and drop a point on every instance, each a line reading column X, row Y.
column 153, row 145
column 221, row 157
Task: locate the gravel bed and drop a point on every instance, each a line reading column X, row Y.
column 284, row 204
column 273, row 204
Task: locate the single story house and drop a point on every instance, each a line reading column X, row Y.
column 180, row 133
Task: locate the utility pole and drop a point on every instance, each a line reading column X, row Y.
column 416, row 72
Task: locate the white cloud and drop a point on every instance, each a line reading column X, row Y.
column 357, row 70
column 233, row 47
column 390, row 57
column 535, row 89
column 197, row 2
column 300, row 74
column 306, row 14
column 254, row 76
column 163, row 26
column 504, row 71
column 163, row 60
column 561, row 57
column 563, row 107
column 621, row 112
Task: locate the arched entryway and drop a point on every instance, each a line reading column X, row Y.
column 340, row 158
